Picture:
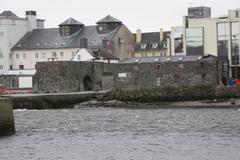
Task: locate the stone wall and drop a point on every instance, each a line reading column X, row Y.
column 7, row 126
column 56, row 77
column 166, row 74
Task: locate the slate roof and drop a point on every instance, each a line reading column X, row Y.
column 8, row 14
column 109, row 19
column 71, row 21
column 151, row 38
column 169, row 59
column 50, row 39
column 102, row 52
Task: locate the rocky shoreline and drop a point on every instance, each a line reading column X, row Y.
column 230, row 103
column 169, row 97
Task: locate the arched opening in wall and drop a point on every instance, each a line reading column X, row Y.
column 87, row 83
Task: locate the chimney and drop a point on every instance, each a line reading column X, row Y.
column 161, row 35
column 105, row 43
column 31, row 20
column 138, row 36
column 83, row 43
column 232, row 14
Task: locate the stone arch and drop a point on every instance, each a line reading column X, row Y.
column 87, row 83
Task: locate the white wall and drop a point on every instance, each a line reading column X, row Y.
column 210, row 33
column 25, row 82
column 44, row 55
column 84, row 55
column 13, row 30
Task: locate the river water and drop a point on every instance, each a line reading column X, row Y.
column 124, row 134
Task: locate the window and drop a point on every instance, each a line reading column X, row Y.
column 11, row 67
column 154, row 45
column 36, row 55
column 1, row 55
column 153, row 54
column 1, row 34
column 54, row 54
column 143, row 45
column 21, row 66
column 62, row 54
column 17, row 56
column 120, row 41
column 65, row 31
column 1, row 67
column 204, row 76
column 10, row 55
column 100, row 28
column 43, row 55
column 73, row 53
column 235, row 43
column 24, row 55
column 222, row 42
column 194, row 41
column 79, row 57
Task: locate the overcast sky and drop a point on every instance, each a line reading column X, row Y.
column 149, row 15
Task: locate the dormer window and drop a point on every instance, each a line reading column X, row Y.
column 143, row 46
column 169, row 59
column 63, row 44
column 19, row 45
column 54, row 54
column 38, row 44
column 164, row 45
column 100, row 28
column 69, row 27
column 154, row 45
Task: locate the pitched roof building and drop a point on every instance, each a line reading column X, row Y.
column 152, row 44
column 109, row 40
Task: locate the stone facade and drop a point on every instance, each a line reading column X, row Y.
column 7, row 126
column 57, row 77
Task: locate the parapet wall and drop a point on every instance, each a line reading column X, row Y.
column 7, row 126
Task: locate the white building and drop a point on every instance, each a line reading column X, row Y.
column 217, row 36
column 12, row 28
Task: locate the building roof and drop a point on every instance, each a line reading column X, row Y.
column 50, row 38
column 8, row 14
column 150, row 39
column 169, row 59
column 71, row 21
column 109, row 19
column 102, row 53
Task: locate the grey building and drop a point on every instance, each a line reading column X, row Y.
column 199, row 12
